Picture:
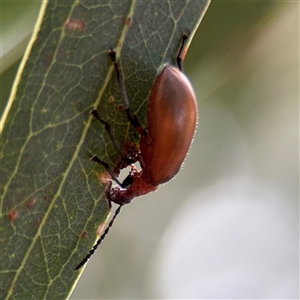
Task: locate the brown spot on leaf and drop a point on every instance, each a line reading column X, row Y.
column 13, row 215
column 104, row 178
column 31, row 203
column 75, row 25
column 83, row 234
column 111, row 99
column 128, row 21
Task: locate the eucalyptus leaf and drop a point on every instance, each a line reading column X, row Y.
column 52, row 195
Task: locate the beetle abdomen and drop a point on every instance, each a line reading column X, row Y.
column 171, row 123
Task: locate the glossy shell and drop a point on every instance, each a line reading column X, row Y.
column 171, row 123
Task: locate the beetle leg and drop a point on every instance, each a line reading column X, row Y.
column 108, row 169
column 96, row 115
column 179, row 59
column 128, row 160
column 130, row 115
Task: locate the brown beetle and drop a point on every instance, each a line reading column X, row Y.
column 164, row 143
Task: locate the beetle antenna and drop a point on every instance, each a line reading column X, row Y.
column 92, row 251
column 179, row 58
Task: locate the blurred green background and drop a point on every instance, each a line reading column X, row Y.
column 228, row 225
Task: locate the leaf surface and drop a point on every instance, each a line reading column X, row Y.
column 52, row 196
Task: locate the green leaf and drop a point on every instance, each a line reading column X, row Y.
column 52, row 195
